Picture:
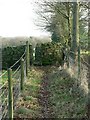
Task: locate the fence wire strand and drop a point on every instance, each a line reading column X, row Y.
column 16, row 77
column 3, row 74
column 16, row 85
column 18, row 60
column 4, row 100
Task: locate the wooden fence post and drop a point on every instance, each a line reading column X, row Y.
column 68, row 57
column 27, row 58
column 79, row 61
column 10, row 95
column 31, row 55
column 22, row 74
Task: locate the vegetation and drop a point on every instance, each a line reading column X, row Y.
column 49, row 54
column 5, row 76
column 18, row 41
column 57, row 90
column 27, row 105
column 10, row 55
column 51, row 91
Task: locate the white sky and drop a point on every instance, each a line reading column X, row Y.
column 16, row 19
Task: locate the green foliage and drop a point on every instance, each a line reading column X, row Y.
column 55, row 37
column 49, row 54
column 10, row 55
column 38, row 54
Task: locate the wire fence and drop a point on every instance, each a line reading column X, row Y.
column 17, row 76
column 4, row 87
column 3, row 97
column 78, row 69
column 82, row 78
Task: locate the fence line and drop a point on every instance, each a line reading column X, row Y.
column 18, row 78
column 10, row 90
column 81, row 79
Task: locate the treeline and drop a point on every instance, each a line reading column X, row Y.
column 17, row 41
column 66, row 21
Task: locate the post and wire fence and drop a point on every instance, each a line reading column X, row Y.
column 13, row 85
column 10, row 90
column 79, row 70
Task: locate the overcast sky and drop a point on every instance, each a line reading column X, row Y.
column 16, row 19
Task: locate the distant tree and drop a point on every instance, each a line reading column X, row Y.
column 55, row 18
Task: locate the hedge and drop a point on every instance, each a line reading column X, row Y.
column 10, row 55
column 49, row 54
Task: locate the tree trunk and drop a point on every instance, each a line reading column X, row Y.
column 75, row 33
column 69, row 23
column 88, row 59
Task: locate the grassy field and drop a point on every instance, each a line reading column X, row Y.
column 50, row 93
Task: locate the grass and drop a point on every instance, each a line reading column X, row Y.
column 4, row 78
column 27, row 105
column 64, row 99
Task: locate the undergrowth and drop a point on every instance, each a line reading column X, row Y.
column 64, row 100
column 65, row 97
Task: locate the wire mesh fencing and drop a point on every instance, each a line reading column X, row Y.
column 3, row 96
column 15, row 87
column 16, row 77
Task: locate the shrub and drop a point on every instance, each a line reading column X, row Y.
column 10, row 55
column 49, row 54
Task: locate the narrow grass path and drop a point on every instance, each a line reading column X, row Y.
column 27, row 104
column 50, row 93
column 44, row 94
